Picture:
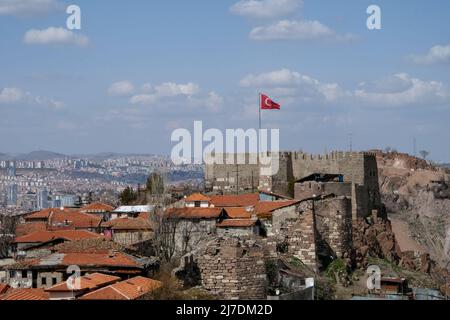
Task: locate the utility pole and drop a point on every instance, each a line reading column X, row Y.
column 350, row 142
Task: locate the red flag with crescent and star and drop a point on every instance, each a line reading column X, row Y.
column 268, row 104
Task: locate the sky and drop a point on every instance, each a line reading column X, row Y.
column 137, row 70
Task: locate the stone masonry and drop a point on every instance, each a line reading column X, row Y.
column 233, row 269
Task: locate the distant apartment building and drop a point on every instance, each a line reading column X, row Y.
column 42, row 199
column 12, row 195
column 11, row 169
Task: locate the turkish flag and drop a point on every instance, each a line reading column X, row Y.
column 268, row 104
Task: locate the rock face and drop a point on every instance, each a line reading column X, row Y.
column 418, row 193
column 374, row 240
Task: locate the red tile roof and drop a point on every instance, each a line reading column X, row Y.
column 30, row 227
column 242, row 200
column 98, row 259
column 194, row 213
column 128, row 224
column 265, row 208
column 73, row 219
column 116, row 259
column 239, row 212
column 87, row 282
column 4, row 288
column 197, row 197
column 237, row 223
column 45, row 236
column 97, row 207
column 44, row 214
column 25, row 294
column 131, row 289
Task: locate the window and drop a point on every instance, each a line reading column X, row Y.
column 12, row 273
column 197, row 204
column 24, row 273
column 44, row 281
column 54, row 281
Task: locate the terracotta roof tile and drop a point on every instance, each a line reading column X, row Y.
column 30, row 227
column 115, row 259
column 194, row 213
column 265, row 208
column 237, row 223
column 197, row 197
column 131, row 289
column 97, row 207
column 242, row 200
column 44, row 214
column 73, row 219
column 98, row 259
column 128, row 224
column 87, row 282
column 4, row 288
column 45, row 236
column 25, row 294
column 239, row 212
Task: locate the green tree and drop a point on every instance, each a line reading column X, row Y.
column 127, row 196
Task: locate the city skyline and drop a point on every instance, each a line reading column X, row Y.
column 128, row 78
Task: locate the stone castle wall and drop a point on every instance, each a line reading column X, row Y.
column 233, row 270
column 334, row 226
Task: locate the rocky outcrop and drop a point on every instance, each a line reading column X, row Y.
column 374, row 239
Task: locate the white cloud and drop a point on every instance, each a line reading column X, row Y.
column 297, row 30
column 394, row 91
column 121, row 88
column 283, row 77
column 143, row 99
column 11, row 95
column 54, row 35
column 170, row 89
column 437, row 54
column 49, row 102
column 150, row 95
column 265, row 8
column 28, row 7
column 407, row 91
column 16, row 95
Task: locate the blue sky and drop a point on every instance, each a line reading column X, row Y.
column 139, row 69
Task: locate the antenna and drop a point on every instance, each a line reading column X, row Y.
column 350, row 142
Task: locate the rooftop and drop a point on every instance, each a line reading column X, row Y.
column 87, row 282
column 96, row 207
column 131, row 289
column 242, row 200
column 25, row 294
column 194, row 213
column 237, row 223
column 197, row 197
column 45, row 236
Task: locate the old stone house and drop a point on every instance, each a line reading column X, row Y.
column 128, row 231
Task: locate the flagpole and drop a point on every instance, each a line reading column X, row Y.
column 259, row 108
column 259, row 132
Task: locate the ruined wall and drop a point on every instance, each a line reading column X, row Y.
column 233, row 270
column 334, row 226
column 301, row 239
column 309, row 189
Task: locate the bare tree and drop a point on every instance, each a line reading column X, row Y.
column 7, row 233
column 165, row 235
column 424, row 154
